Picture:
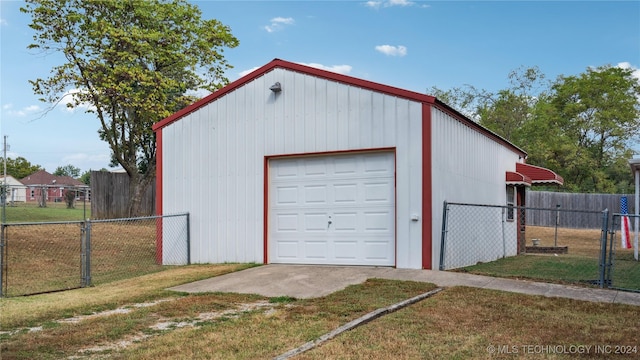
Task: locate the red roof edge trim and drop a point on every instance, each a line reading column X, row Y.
column 515, row 178
column 277, row 63
column 539, row 175
column 213, row 96
column 350, row 80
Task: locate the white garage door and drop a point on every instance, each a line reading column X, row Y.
column 335, row 209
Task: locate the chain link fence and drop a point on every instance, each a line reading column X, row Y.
column 506, row 241
column 54, row 256
column 623, row 267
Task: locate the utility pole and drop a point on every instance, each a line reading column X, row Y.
column 4, row 181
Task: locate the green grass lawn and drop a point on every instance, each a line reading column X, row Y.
column 457, row 323
column 30, row 212
column 564, row 269
column 567, row 269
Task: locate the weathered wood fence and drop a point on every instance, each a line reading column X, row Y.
column 577, row 210
column 110, row 196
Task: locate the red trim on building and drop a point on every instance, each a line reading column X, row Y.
column 427, row 221
column 515, row 178
column 277, row 63
column 159, row 197
column 539, row 175
column 265, row 220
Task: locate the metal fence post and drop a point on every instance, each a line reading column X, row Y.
column 445, row 210
column 86, row 254
column 2, row 259
column 603, row 246
column 188, row 240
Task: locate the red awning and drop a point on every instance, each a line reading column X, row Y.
column 514, row 178
column 539, row 175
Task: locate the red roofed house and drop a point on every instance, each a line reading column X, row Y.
column 293, row 164
column 54, row 187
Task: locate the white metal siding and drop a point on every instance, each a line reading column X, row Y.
column 213, row 158
column 467, row 167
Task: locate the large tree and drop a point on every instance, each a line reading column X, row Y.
column 134, row 63
column 599, row 112
column 67, row 170
column 581, row 126
column 19, row 167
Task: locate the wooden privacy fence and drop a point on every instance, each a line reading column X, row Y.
column 110, row 196
column 580, row 202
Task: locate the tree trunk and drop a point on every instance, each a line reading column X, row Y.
column 138, row 185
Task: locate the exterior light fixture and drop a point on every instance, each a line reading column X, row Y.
column 276, row 88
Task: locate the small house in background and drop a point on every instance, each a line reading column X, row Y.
column 16, row 191
column 293, row 164
column 51, row 186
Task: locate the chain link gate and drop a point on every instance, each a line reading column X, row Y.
column 557, row 245
column 55, row 256
column 622, row 265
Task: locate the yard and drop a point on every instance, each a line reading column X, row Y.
column 55, row 211
column 138, row 319
column 580, row 266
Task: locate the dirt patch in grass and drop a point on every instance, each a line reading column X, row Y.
column 208, row 325
column 581, row 242
column 458, row 322
column 31, row 311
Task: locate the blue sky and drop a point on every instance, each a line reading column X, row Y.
column 411, row 45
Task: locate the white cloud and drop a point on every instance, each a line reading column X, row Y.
column 25, row 111
column 3, row 22
column 278, row 23
column 340, row 69
column 627, row 65
column 391, row 50
column 373, row 4
column 376, row 4
column 68, row 98
column 399, row 3
column 7, row 106
column 245, row 72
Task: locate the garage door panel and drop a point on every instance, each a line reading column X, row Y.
column 287, row 222
column 314, row 167
column 374, row 250
column 343, row 165
column 316, row 250
column 379, row 164
column 288, row 249
column 316, row 222
column 286, row 195
column 345, row 193
column 315, row 194
column 377, row 192
column 345, row 221
column 346, row 250
column 333, row 210
column 377, row 221
column 286, row 169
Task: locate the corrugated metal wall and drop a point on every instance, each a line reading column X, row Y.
column 213, row 159
column 467, row 167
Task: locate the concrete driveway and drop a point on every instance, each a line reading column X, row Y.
column 309, row 281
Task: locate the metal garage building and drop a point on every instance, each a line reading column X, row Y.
column 292, row 164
